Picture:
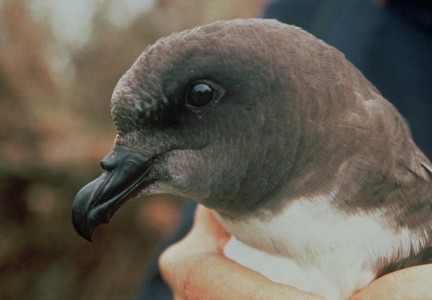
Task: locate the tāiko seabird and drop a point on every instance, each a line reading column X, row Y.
column 301, row 159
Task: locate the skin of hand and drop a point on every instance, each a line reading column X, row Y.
column 407, row 284
column 195, row 268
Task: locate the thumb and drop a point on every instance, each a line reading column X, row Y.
column 408, row 284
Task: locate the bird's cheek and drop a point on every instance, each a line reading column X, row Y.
column 183, row 173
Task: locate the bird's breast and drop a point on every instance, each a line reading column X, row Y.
column 318, row 248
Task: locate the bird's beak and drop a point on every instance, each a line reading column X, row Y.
column 126, row 173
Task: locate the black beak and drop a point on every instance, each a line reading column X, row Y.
column 126, row 173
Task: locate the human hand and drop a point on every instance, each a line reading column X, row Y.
column 195, row 268
column 407, row 284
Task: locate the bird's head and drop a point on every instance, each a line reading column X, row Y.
column 226, row 114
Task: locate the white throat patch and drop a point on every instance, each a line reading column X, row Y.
column 317, row 248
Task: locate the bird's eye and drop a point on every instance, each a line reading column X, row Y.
column 200, row 94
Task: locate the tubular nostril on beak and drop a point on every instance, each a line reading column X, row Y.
column 109, row 162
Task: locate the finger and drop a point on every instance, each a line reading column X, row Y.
column 210, row 276
column 178, row 297
column 206, row 236
column 208, row 231
column 407, row 284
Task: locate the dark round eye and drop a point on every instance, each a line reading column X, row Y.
column 200, row 94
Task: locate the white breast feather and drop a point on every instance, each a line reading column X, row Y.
column 317, row 248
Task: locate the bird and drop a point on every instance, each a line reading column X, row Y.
column 313, row 173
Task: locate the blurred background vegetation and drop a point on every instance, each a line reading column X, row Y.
column 59, row 62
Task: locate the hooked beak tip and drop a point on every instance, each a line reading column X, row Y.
column 126, row 172
column 81, row 227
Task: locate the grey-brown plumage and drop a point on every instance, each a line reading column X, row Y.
column 249, row 117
